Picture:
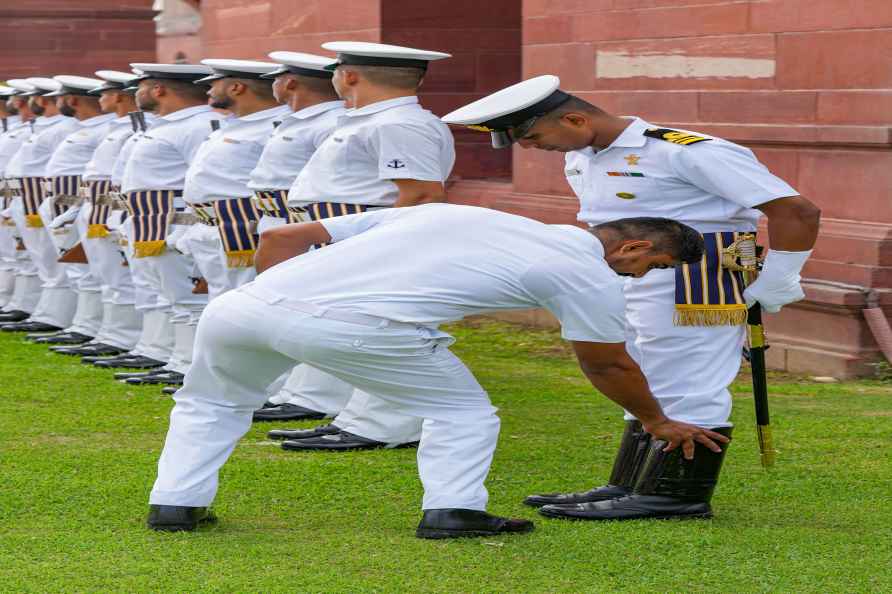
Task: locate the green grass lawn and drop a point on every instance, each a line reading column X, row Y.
column 78, row 454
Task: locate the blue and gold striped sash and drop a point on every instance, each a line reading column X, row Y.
column 237, row 223
column 707, row 293
column 99, row 212
column 63, row 186
column 33, row 194
column 151, row 211
column 274, row 203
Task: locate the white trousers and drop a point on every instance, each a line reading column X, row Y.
column 26, row 293
column 688, row 368
column 156, row 340
column 87, row 314
column 245, row 342
column 121, row 326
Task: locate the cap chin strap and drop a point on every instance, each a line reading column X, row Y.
column 501, row 139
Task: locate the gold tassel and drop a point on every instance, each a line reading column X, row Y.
column 33, row 220
column 240, row 259
column 727, row 315
column 97, row 230
column 148, row 249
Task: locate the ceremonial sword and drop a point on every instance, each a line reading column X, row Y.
column 745, row 252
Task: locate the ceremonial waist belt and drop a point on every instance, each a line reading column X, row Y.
column 33, row 193
column 97, row 193
column 151, row 212
column 710, row 292
column 326, row 210
column 274, row 203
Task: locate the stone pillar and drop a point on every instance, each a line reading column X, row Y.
column 49, row 37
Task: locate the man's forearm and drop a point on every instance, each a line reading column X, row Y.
column 286, row 242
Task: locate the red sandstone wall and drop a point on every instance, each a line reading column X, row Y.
column 806, row 83
column 49, row 37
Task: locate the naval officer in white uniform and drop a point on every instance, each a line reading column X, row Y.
column 152, row 184
column 25, row 172
column 216, row 185
column 121, row 322
column 387, row 151
column 686, row 327
column 12, row 134
column 360, row 311
column 26, row 291
column 62, row 210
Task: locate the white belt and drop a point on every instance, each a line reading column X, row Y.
column 318, row 311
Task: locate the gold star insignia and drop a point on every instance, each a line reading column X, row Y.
column 632, row 159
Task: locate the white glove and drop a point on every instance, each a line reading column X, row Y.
column 65, row 218
column 182, row 244
column 778, row 283
column 115, row 220
column 176, row 232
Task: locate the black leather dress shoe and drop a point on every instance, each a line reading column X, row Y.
column 597, row 494
column 632, row 507
column 464, row 523
column 29, row 327
column 339, row 442
column 286, row 412
column 84, row 349
column 33, row 337
column 64, row 338
column 101, row 352
column 280, row 434
column 92, row 349
column 128, row 362
column 170, row 378
column 178, row 518
column 125, row 375
column 14, row 315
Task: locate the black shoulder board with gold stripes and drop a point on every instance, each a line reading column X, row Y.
column 674, row 136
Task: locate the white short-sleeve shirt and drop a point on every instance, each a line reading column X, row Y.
column 371, row 146
column 223, row 164
column 435, row 263
column 292, row 144
column 76, row 149
column 162, row 155
column 10, row 142
column 117, row 173
column 103, row 159
column 34, row 154
column 711, row 185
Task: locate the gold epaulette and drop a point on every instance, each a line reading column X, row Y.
column 674, row 136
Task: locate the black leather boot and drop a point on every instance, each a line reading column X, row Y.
column 668, row 487
column 463, row 523
column 632, row 450
column 177, row 518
